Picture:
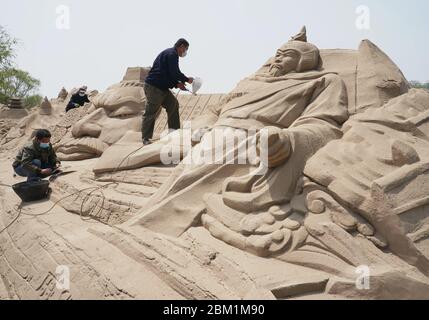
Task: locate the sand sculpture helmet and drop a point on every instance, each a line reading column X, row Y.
column 112, row 114
column 297, row 55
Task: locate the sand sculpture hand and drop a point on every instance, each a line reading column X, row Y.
column 198, row 135
column 274, row 146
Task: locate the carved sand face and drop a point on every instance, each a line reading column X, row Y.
column 285, row 61
column 116, row 111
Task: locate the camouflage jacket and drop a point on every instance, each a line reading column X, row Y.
column 33, row 151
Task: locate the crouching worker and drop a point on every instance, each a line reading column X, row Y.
column 37, row 159
column 78, row 99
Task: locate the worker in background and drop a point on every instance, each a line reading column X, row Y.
column 164, row 75
column 37, row 159
column 78, row 99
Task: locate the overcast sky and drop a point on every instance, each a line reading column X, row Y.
column 229, row 38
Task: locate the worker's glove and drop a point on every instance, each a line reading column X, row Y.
column 181, row 86
column 46, row 172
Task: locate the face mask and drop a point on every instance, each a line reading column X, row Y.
column 184, row 54
column 82, row 94
column 44, row 145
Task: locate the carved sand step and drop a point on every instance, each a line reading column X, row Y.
column 125, row 192
column 153, row 177
column 268, row 273
column 34, row 246
column 103, row 204
column 195, row 272
column 299, row 286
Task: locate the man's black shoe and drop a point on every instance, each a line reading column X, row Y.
column 146, row 142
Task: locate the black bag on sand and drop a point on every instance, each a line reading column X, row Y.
column 32, row 190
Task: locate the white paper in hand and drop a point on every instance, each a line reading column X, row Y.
column 196, row 85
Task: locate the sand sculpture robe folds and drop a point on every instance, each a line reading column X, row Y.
column 309, row 107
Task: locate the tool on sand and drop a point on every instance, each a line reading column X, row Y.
column 59, row 173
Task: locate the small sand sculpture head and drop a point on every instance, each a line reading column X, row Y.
column 113, row 113
column 297, row 55
column 116, row 112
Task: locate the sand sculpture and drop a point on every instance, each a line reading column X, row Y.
column 13, row 111
column 63, row 94
column 16, row 103
column 46, row 107
column 110, row 115
column 115, row 116
column 344, row 190
column 286, row 214
column 315, row 106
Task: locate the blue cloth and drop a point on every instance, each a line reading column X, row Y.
column 165, row 73
column 21, row 171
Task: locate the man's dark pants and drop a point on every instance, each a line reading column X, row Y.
column 21, row 171
column 155, row 99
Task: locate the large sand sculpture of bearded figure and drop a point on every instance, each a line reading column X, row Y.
column 301, row 108
column 309, row 207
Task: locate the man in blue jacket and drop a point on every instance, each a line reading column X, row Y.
column 164, row 75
